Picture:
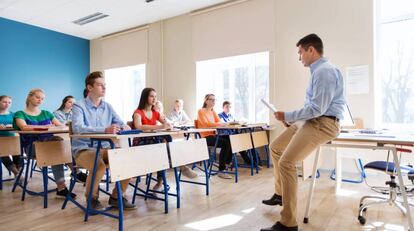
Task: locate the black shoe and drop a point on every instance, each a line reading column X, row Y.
column 279, row 227
column 96, row 204
column 63, row 193
column 81, row 177
column 126, row 204
column 275, row 200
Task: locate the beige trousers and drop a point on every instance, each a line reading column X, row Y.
column 85, row 159
column 292, row 146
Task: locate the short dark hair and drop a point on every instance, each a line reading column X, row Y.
column 311, row 40
column 66, row 99
column 226, row 103
column 90, row 80
column 144, row 97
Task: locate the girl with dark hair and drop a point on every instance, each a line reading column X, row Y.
column 64, row 113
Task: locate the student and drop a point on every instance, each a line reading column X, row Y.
column 146, row 117
column 33, row 117
column 307, row 128
column 159, row 107
column 12, row 164
column 93, row 115
column 225, row 116
column 206, row 118
column 178, row 116
column 64, row 112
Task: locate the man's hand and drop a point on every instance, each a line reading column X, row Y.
column 280, row 115
column 113, row 129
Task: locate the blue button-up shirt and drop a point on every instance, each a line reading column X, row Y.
column 88, row 118
column 325, row 93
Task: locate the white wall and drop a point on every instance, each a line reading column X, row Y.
column 174, row 45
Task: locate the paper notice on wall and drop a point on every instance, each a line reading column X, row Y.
column 357, row 80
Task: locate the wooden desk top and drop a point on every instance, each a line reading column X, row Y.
column 383, row 138
column 140, row 135
column 52, row 130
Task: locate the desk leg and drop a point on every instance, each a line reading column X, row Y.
column 312, row 186
column 93, row 175
column 120, row 207
column 338, row 171
column 402, row 189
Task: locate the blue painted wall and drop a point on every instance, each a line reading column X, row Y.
column 33, row 57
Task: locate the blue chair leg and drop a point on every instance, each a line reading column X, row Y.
column 236, row 170
column 149, row 176
column 26, row 177
column 95, row 166
column 71, row 186
column 135, row 190
column 32, row 167
column 207, row 177
column 251, row 162
column 177, row 182
column 256, row 156
column 120, row 207
column 362, row 175
column 267, row 156
column 107, row 180
column 45, row 184
column 164, row 179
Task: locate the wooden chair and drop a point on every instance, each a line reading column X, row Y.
column 240, row 142
column 260, row 139
column 9, row 146
column 188, row 152
column 50, row 153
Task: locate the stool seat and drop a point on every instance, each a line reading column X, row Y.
column 382, row 166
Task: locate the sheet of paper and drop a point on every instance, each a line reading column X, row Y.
column 269, row 105
column 357, row 80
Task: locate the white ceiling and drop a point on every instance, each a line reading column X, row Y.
column 58, row 15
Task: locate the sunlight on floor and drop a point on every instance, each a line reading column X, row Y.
column 247, row 211
column 378, row 225
column 215, row 222
column 346, row 193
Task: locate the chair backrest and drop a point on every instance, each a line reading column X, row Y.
column 188, row 151
column 130, row 124
column 10, row 145
column 260, row 139
column 125, row 163
column 240, row 142
column 196, row 124
column 51, row 153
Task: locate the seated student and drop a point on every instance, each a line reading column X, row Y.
column 93, row 115
column 33, row 117
column 178, row 116
column 225, row 116
column 146, row 117
column 64, row 112
column 206, row 118
column 159, row 107
column 6, row 118
column 64, row 115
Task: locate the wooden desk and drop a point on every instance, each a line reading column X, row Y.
column 386, row 141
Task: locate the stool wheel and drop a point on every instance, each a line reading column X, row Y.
column 362, row 220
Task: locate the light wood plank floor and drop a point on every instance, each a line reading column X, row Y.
column 229, row 207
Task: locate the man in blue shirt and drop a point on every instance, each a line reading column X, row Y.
column 225, row 116
column 307, row 128
column 93, row 115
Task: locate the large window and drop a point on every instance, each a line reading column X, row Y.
column 123, row 89
column 243, row 80
column 395, row 63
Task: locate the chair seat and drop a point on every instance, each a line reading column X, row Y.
column 382, row 166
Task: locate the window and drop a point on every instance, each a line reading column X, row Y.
column 123, row 89
column 243, row 80
column 395, row 63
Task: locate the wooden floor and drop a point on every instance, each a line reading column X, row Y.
column 229, row 207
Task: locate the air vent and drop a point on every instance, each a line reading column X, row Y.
column 90, row 18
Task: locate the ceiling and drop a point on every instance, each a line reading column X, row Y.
column 58, row 15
